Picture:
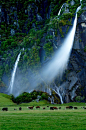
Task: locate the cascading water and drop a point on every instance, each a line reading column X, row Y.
column 10, row 89
column 56, row 89
column 59, row 63
column 55, row 67
column 60, row 10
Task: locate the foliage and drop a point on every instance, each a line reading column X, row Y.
column 44, row 96
column 48, row 49
column 28, row 37
column 79, row 98
column 66, row 16
column 28, row 97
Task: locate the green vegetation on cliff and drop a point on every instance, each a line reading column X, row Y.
column 30, row 32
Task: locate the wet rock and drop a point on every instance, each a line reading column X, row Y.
column 39, row 18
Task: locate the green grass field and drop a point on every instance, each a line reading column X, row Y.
column 39, row 119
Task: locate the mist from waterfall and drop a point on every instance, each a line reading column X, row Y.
column 10, row 89
column 59, row 62
column 48, row 73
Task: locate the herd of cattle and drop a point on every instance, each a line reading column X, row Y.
column 38, row 107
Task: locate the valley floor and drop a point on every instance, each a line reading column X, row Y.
column 39, row 119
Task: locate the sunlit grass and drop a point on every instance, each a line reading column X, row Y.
column 5, row 100
column 43, row 120
column 39, row 119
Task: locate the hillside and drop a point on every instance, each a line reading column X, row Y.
column 34, row 28
column 5, row 100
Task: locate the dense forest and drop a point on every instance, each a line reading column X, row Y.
column 27, row 26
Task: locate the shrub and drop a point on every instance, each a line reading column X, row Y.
column 79, row 98
column 44, row 96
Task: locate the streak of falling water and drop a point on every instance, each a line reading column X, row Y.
column 55, row 67
column 60, row 10
column 61, row 58
column 80, row 1
column 59, row 63
column 56, row 89
column 10, row 89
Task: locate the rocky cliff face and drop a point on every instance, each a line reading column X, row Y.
column 76, row 74
column 78, row 56
column 74, row 81
column 21, row 18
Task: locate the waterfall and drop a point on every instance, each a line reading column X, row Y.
column 52, row 69
column 59, row 62
column 80, row 1
column 10, row 89
column 56, row 89
column 60, row 10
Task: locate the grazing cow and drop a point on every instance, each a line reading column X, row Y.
column 30, row 107
column 5, row 109
column 69, row 107
column 83, row 107
column 15, row 109
column 75, row 108
column 55, row 108
column 43, row 107
column 37, row 107
column 59, row 107
column 47, row 106
column 20, row 108
column 51, row 108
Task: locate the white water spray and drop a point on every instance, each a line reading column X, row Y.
column 80, row 1
column 60, row 10
column 55, row 67
column 13, row 75
column 59, row 63
column 56, row 89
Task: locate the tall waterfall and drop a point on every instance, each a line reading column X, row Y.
column 59, row 62
column 54, row 68
column 10, row 89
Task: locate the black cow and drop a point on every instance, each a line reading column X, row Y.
column 59, row 107
column 69, row 107
column 5, row 109
column 15, row 109
column 51, row 108
column 20, row 108
column 75, row 108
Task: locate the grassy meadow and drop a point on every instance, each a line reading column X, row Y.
column 39, row 119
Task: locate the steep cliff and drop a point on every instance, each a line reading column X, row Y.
column 35, row 29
